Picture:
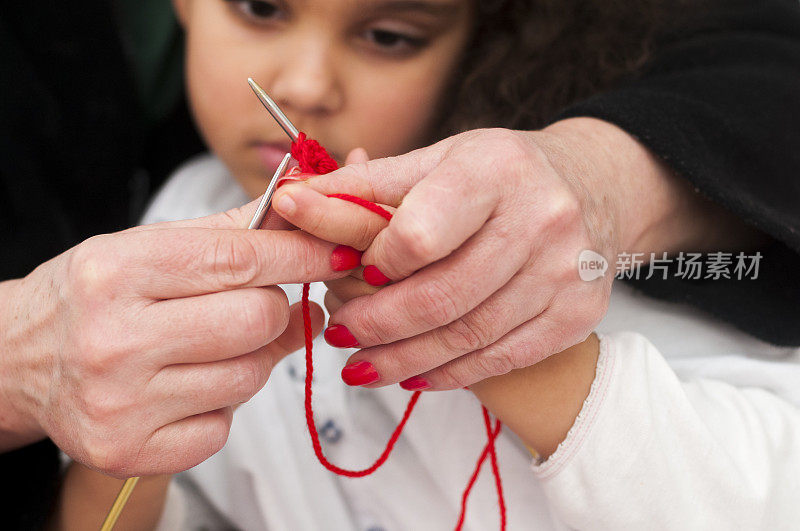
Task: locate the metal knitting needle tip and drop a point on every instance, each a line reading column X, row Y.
column 266, row 199
column 274, row 110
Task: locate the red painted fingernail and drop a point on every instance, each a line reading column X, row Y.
column 415, row 383
column 291, row 178
column 344, row 258
column 360, row 373
column 374, row 277
column 339, row 336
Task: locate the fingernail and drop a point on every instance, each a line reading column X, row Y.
column 415, row 383
column 297, row 177
column 285, row 205
column 339, row 336
column 374, row 277
column 360, row 373
column 345, row 257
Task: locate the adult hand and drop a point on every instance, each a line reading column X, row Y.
column 130, row 349
column 483, row 248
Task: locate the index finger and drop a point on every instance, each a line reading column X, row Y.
column 384, row 181
column 185, row 261
column 235, row 218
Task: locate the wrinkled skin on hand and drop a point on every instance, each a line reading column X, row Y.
column 131, row 350
column 482, row 252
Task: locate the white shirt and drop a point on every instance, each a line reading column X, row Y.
column 696, row 428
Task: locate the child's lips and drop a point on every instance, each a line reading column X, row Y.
column 272, row 154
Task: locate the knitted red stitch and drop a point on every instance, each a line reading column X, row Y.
column 313, row 158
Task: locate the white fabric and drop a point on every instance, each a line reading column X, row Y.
column 699, row 429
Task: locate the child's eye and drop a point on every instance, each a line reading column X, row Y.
column 393, row 41
column 256, row 10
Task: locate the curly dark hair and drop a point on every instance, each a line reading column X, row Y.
column 529, row 59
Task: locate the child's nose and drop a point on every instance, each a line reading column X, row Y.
column 306, row 82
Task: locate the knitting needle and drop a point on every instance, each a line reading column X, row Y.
column 119, row 504
column 274, row 110
column 266, row 199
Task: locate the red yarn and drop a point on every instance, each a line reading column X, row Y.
column 313, row 158
column 369, row 205
column 489, row 448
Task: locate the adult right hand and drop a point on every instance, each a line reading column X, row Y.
column 130, row 349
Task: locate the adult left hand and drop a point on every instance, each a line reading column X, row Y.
column 483, row 248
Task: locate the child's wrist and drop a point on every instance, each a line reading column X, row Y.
column 540, row 403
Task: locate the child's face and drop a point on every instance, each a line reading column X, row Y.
column 350, row 73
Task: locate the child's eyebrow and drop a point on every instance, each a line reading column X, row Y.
column 395, row 6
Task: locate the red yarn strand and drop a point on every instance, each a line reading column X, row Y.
column 369, row 205
column 498, row 483
column 491, row 436
column 312, row 428
column 313, row 158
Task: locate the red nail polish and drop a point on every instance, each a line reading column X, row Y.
column 344, row 258
column 360, row 373
column 415, row 383
column 339, row 336
column 374, row 277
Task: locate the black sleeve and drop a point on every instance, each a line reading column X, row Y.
column 720, row 104
column 75, row 160
column 63, row 177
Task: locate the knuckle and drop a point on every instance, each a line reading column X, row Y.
column 467, row 334
column 433, row 303
column 454, row 376
column 363, row 236
column 94, row 355
column 415, row 239
column 263, row 317
column 216, row 435
column 233, row 216
column 100, row 406
column 311, row 220
column 564, row 210
column 511, row 143
column 493, row 364
column 90, row 269
column 307, row 257
column 504, row 148
column 369, row 329
column 107, row 455
column 233, row 261
column 204, row 440
column 531, row 350
column 249, row 377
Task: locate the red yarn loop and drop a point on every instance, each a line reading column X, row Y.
column 313, row 158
